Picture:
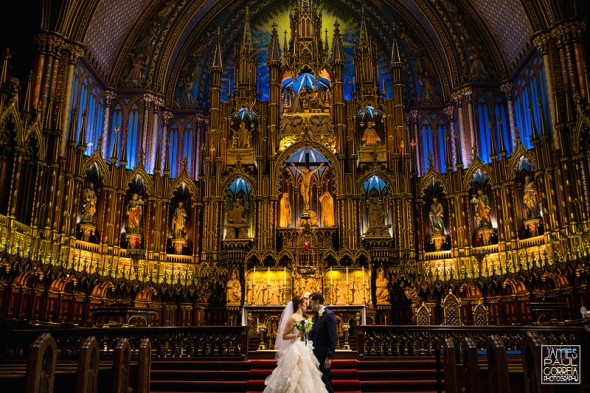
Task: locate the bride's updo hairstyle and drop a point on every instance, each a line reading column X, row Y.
column 297, row 301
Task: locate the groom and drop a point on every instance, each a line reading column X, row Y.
column 323, row 335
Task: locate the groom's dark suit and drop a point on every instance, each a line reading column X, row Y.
column 323, row 335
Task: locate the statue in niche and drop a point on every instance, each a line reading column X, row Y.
column 531, row 198
column 234, row 289
column 134, row 214
column 305, row 188
column 327, row 202
column 300, row 102
column 376, row 216
column 243, row 137
column 236, row 220
column 381, row 288
column 315, row 99
column 285, row 211
column 481, row 203
column 179, row 221
column 477, row 69
column 370, row 136
column 236, row 215
column 89, row 200
column 427, row 83
column 134, row 78
column 436, row 216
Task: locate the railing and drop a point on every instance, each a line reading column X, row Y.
column 380, row 341
column 230, row 342
column 203, row 342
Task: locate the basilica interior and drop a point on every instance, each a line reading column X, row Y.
column 417, row 162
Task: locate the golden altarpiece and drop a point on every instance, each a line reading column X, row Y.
column 390, row 189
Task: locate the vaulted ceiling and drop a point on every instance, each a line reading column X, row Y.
column 447, row 33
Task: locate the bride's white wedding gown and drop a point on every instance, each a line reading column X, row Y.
column 297, row 371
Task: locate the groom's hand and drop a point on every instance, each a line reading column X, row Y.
column 328, row 363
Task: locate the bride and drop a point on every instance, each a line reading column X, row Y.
column 297, row 368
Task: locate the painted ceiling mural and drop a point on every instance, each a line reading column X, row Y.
column 165, row 45
column 422, row 82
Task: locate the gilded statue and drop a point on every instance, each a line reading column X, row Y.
column 134, row 214
column 234, row 289
column 376, row 216
column 285, row 211
column 436, row 215
column 531, row 198
column 482, row 210
column 305, row 188
column 179, row 221
column 327, row 202
column 88, row 204
column 370, row 136
column 381, row 288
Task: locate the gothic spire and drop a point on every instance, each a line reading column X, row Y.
column 274, row 51
column 217, row 62
column 395, row 56
column 113, row 158
column 337, row 51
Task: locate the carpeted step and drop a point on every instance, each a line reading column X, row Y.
column 192, row 364
column 345, row 376
column 197, row 386
column 198, row 375
column 399, row 386
column 379, row 375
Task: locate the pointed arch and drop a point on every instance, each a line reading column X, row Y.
column 97, row 161
column 183, row 180
column 430, row 178
column 475, row 165
column 327, row 153
column 139, row 172
column 380, row 173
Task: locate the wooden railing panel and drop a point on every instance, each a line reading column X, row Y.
column 121, row 367
column 471, row 370
column 498, row 365
column 88, row 365
column 42, row 358
column 144, row 365
column 451, row 380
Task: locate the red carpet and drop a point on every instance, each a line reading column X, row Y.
column 345, row 377
column 348, row 376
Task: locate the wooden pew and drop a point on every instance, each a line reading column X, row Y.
column 472, row 380
column 88, row 366
column 531, row 359
column 144, row 365
column 498, row 365
column 40, row 374
column 450, row 352
column 584, row 342
column 121, row 367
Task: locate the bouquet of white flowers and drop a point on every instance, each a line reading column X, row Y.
column 304, row 326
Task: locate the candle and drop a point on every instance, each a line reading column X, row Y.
column 254, row 276
column 363, row 275
column 331, row 276
column 268, row 275
column 284, row 276
column 346, row 275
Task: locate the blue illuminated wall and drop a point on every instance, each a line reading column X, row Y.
column 529, row 88
column 87, row 98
